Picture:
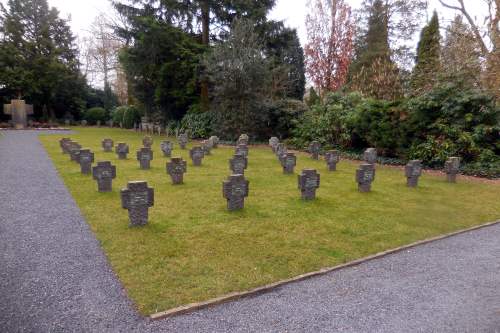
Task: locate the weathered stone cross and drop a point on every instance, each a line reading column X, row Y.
column 137, row 198
column 234, row 190
column 19, row 111
column 104, row 173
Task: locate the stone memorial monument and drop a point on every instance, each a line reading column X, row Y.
column 176, row 168
column 241, row 149
column 207, row 147
column 280, row 150
column 273, row 143
column 183, row 140
column 104, row 173
column 288, row 162
column 166, row 148
column 308, row 181
column 137, row 198
column 64, row 143
column 452, row 167
column 122, row 150
column 196, row 154
column 238, row 164
column 413, row 170
column 145, row 156
column 365, row 175
column 147, row 142
column 215, row 141
column 86, row 158
column 234, row 190
column 332, row 157
column 19, row 111
column 74, row 151
column 370, row 156
column 107, row 145
column 243, row 140
column 314, row 149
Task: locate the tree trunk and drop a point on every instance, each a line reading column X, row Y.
column 205, row 23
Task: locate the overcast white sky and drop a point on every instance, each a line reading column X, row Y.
column 292, row 11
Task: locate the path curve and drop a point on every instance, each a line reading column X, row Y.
column 54, row 276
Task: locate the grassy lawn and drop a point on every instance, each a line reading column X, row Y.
column 193, row 249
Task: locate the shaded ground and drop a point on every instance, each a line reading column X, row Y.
column 54, row 276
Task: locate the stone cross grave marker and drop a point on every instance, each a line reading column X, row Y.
column 280, row 150
column 19, row 111
column 64, row 143
column 332, row 157
column 207, row 147
column 241, row 149
column 243, row 139
column 238, row 164
column 147, row 142
column 288, row 162
column 86, row 159
column 176, row 168
column 145, row 156
column 365, row 175
column 413, row 170
column 314, row 149
column 196, row 154
column 122, row 150
column 308, row 181
column 137, row 197
column 166, row 148
column 74, row 151
column 273, row 143
column 370, row 156
column 451, row 167
column 104, row 173
column 107, row 145
column 183, row 140
column 215, row 141
column 234, row 190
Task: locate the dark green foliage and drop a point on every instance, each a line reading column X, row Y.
column 126, row 115
column 283, row 114
column 110, row 100
column 313, row 97
column 428, row 57
column 39, row 59
column 198, row 124
column 162, row 62
column 93, row 115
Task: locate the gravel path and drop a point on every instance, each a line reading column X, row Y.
column 55, row 278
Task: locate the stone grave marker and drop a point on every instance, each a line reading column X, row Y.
column 176, row 168
column 196, row 154
column 19, row 111
column 332, row 157
column 365, row 175
column 64, row 143
column 166, row 148
column 452, row 167
column 86, row 158
column 241, row 149
column 122, row 150
column 104, row 173
column 215, row 141
column 370, row 155
column 74, row 151
column 308, row 181
column 238, row 164
column 280, row 150
column 107, row 145
column 98, row 123
column 147, row 142
column 67, row 122
column 243, row 139
column 84, row 122
column 137, row 197
column 288, row 162
column 183, row 140
column 207, row 147
column 145, row 156
column 314, row 149
column 273, row 143
column 413, row 170
column 234, row 190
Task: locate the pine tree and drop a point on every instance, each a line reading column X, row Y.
column 428, row 63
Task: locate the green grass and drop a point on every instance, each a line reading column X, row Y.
column 193, row 249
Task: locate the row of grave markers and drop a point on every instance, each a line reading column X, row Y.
column 138, row 197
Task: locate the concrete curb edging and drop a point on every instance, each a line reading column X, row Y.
column 269, row 287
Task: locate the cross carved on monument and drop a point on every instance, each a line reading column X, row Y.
column 19, row 111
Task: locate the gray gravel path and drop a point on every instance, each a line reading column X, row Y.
column 55, row 278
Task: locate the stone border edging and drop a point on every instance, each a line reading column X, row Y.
column 183, row 309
